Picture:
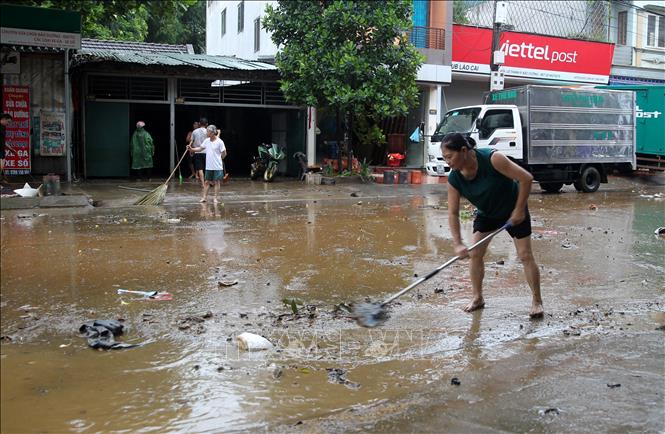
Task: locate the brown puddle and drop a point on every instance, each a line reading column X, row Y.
column 602, row 276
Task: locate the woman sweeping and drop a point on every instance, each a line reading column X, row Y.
column 499, row 189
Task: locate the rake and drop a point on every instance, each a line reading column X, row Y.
column 156, row 196
column 373, row 314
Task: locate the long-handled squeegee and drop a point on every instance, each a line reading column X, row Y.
column 374, row 314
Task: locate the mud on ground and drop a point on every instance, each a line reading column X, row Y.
column 594, row 363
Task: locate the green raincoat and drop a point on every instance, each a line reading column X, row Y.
column 142, row 149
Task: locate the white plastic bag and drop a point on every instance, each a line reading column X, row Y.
column 251, row 342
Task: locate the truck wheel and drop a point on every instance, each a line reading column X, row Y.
column 551, row 187
column 578, row 185
column 590, row 179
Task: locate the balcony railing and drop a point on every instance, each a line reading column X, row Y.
column 428, row 37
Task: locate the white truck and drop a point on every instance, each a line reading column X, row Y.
column 562, row 135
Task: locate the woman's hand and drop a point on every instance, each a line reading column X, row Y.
column 461, row 251
column 518, row 215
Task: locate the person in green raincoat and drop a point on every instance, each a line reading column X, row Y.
column 142, row 150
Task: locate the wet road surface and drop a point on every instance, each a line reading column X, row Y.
column 594, row 363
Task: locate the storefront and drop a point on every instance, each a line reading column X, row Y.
column 36, row 45
column 169, row 91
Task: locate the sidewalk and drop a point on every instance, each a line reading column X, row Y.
column 123, row 193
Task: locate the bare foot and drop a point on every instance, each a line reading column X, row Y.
column 536, row 311
column 475, row 305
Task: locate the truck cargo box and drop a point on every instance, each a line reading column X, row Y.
column 573, row 124
column 649, row 124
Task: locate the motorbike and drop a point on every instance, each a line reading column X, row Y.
column 266, row 163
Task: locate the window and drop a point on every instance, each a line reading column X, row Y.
column 223, row 22
column 493, row 120
column 241, row 16
column 257, row 34
column 656, row 31
column 622, row 28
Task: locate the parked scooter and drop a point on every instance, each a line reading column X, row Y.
column 266, row 163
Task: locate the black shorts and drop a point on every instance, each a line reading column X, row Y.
column 199, row 161
column 485, row 224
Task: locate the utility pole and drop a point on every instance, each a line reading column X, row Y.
column 496, row 56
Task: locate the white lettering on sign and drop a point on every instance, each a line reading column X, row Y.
column 639, row 113
column 530, row 51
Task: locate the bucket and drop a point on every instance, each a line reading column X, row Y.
column 403, row 177
column 388, row 177
column 416, row 177
column 51, row 185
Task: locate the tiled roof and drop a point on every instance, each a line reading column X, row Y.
column 99, row 44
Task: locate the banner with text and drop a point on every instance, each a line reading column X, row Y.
column 532, row 56
column 16, row 102
column 52, row 134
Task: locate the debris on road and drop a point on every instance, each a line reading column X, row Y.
column 338, row 376
column 549, row 411
column 101, row 335
column 251, row 342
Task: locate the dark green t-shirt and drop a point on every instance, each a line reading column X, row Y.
column 491, row 192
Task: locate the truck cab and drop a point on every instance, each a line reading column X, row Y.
column 491, row 126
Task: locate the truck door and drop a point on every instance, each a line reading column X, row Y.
column 500, row 129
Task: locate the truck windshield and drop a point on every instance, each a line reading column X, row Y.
column 456, row 121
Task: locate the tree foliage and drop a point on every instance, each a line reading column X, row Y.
column 350, row 55
column 171, row 22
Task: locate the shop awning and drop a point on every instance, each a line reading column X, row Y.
column 203, row 61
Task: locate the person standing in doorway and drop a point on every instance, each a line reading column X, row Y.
column 190, row 154
column 199, row 135
column 142, row 151
column 5, row 119
column 499, row 189
column 215, row 152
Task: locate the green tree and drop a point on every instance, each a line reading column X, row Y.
column 353, row 56
column 163, row 21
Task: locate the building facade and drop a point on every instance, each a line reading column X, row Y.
column 233, row 29
column 637, row 29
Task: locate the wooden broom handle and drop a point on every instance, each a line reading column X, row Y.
column 176, row 166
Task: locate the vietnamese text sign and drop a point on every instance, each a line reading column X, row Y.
column 16, row 102
column 532, row 56
column 40, row 38
column 52, row 134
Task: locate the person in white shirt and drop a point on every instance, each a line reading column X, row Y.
column 215, row 152
column 198, row 136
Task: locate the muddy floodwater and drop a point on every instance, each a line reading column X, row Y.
column 595, row 363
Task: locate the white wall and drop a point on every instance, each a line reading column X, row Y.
column 234, row 43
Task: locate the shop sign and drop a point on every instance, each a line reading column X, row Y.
column 40, row 38
column 52, row 134
column 16, row 102
column 40, row 27
column 532, row 56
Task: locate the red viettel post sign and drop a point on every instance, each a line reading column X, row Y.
column 16, row 102
column 532, row 56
